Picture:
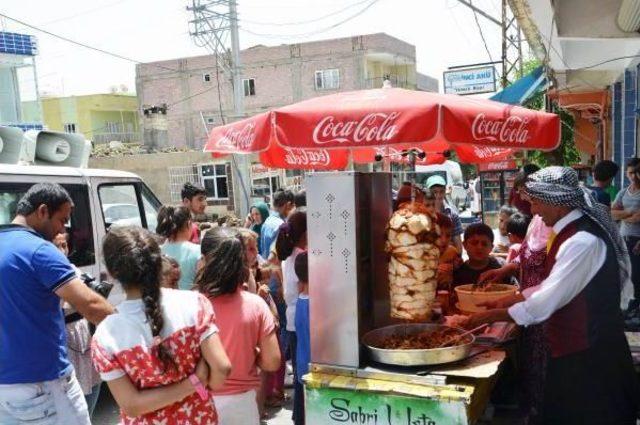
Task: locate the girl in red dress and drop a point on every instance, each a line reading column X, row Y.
column 161, row 349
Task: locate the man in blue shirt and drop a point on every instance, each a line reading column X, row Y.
column 37, row 382
column 437, row 185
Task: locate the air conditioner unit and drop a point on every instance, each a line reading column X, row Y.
column 56, row 148
column 11, row 144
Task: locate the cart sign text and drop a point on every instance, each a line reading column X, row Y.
column 342, row 411
column 376, row 127
column 332, row 406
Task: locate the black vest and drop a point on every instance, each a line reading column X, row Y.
column 593, row 317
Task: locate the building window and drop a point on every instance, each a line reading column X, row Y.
column 249, row 86
column 328, row 79
column 214, row 180
column 70, row 128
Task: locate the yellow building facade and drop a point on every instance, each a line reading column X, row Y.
column 100, row 117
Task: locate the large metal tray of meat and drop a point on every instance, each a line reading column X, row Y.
column 415, row 357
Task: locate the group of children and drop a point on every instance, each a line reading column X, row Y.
column 197, row 339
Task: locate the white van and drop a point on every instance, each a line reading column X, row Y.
column 102, row 198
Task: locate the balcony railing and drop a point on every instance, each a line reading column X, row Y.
column 127, row 137
column 396, row 81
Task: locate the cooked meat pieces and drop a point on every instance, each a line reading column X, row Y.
column 414, row 261
column 419, row 341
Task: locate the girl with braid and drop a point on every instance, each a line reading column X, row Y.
column 161, row 349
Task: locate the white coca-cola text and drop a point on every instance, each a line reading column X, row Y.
column 487, row 151
column 309, row 157
column 513, row 130
column 241, row 139
column 374, row 127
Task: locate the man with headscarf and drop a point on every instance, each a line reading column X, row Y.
column 590, row 377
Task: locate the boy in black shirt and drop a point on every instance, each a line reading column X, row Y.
column 478, row 242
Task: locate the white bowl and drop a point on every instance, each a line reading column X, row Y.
column 468, row 299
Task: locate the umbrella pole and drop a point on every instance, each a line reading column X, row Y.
column 412, row 169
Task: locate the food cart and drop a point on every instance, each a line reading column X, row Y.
column 349, row 294
column 347, row 215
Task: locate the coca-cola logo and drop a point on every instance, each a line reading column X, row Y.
column 487, row 151
column 241, row 138
column 376, row 127
column 513, row 130
column 307, row 157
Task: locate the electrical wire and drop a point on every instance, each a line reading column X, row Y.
column 282, row 24
column 97, row 49
column 315, row 32
column 455, row 20
column 86, row 12
column 484, row 41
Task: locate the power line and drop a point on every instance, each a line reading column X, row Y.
column 86, row 12
column 282, row 24
column 475, row 17
column 319, row 31
column 97, row 49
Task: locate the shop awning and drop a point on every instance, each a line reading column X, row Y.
column 521, row 90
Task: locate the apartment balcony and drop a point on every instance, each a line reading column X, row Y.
column 126, row 137
column 397, row 81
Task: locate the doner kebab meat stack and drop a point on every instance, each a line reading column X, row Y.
column 411, row 242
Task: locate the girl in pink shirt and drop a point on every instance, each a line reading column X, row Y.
column 245, row 323
column 160, row 349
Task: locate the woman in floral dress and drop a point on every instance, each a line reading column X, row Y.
column 161, row 348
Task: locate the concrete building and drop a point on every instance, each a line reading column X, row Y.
column 273, row 76
column 592, row 48
column 100, row 117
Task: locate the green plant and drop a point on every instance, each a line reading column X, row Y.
column 566, row 153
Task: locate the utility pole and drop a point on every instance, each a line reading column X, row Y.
column 215, row 27
column 511, row 40
column 511, row 46
column 241, row 162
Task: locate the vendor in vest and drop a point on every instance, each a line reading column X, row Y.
column 590, row 377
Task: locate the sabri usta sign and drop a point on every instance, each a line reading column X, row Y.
column 333, row 406
column 470, row 80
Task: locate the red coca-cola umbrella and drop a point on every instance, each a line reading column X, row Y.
column 479, row 130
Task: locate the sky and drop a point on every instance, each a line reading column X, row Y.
column 443, row 31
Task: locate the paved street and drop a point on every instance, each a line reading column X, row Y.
column 107, row 411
